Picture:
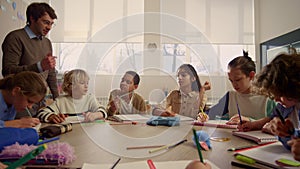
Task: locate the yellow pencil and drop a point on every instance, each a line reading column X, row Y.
column 158, row 149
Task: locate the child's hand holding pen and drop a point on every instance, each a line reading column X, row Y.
column 236, row 119
column 202, row 116
column 26, row 122
column 57, row 118
column 245, row 126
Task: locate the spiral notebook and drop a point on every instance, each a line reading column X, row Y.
column 215, row 123
column 257, row 136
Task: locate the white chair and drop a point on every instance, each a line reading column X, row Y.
column 156, row 96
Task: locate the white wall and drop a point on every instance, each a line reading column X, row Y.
column 277, row 17
column 274, row 18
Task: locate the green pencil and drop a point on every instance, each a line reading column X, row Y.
column 198, row 145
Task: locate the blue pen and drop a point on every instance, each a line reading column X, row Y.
column 47, row 140
column 239, row 112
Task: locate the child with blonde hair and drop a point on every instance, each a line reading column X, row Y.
column 76, row 100
column 18, row 92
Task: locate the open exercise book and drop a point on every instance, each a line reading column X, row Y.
column 144, row 165
column 215, row 123
column 269, row 154
column 257, row 136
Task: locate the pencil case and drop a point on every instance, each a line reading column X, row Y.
column 55, row 130
column 163, row 121
column 10, row 135
column 61, row 153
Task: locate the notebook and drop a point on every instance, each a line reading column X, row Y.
column 143, row 164
column 257, row 136
column 215, row 123
column 132, row 117
column 139, row 117
column 267, row 155
column 74, row 119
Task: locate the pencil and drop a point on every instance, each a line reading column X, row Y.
column 57, row 108
column 239, row 112
column 144, row 147
column 180, row 142
column 47, row 140
column 28, row 112
column 124, row 123
column 198, row 145
column 241, row 148
column 169, row 146
column 114, row 165
column 159, row 148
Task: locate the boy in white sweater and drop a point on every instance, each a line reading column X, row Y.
column 76, row 100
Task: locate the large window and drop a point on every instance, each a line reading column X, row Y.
column 100, row 58
column 108, row 39
column 110, row 58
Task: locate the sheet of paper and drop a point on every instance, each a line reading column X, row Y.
column 143, row 164
column 74, row 119
column 269, row 154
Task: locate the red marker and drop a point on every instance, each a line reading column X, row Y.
column 151, row 164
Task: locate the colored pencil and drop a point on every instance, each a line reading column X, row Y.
column 144, row 147
column 198, row 145
column 115, row 164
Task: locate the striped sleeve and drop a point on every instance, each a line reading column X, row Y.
column 45, row 113
column 103, row 111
